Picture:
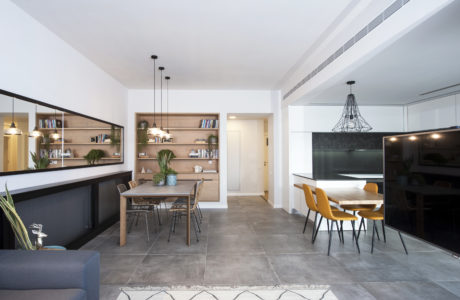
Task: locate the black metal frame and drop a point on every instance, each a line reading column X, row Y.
column 17, row 96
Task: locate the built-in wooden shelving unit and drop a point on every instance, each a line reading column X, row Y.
column 185, row 130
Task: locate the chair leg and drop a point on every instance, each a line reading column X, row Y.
column 360, row 224
column 158, row 214
column 171, row 225
column 137, row 218
column 327, row 220
column 383, row 230
column 306, row 221
column 338, row 230
column 373, row 234
column 314, row 227
column 199, row 212
column 354, row 236
column 402, row 241
column 317, row 228
column 341, row 232
column 330, row 238
column 147, row 226
column 377, row 232
column 197, row 223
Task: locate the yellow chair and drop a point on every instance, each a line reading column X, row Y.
column 324, row 208
column 374, row 216
column 311, row 204
column 369, row 187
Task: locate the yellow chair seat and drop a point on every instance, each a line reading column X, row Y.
column 358, row 207
column 372, row 215
column 343, row 216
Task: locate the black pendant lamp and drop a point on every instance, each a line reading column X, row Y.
column 162, row 131
column 55, row 135
column 13, row 130
column 154, row 130
column 167, row 135
column 351, row 119
column 35, row 133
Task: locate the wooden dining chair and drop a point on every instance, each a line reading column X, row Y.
column 135, row 210
column 148, row 202
column 178, row 210
column 325, row 210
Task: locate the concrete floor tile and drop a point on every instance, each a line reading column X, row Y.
column 407, row 290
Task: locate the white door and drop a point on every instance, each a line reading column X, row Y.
column 233, row 160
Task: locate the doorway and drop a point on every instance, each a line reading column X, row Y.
column 248, row 156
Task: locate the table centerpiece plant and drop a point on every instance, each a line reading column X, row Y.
column 166, row 174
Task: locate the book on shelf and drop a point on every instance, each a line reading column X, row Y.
column 209, row 171
column 49, row 123
column 209, row 123
column 101, row 138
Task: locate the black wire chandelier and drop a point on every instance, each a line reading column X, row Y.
column 351, row 119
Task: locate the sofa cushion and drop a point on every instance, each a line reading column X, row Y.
column 64, row 294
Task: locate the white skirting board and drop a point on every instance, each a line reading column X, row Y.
column 236, row 194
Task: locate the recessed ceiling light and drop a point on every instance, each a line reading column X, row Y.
column 435, row 136
column 393, row 139
column 412, row 138
column 232, row 117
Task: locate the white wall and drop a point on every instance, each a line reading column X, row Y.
column 434, row 114
column 204, row 101
column 251, row 157
column 38, row 64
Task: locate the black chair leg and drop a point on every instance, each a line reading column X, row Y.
column 171, row 220
column 383, row 230
column 360, row 224
column 377, row 232
column 341, row 232
column 306, row 221
column 402, row 241
column 317, row 228
column 373, row 233
column 327, row 220
column 147, row 226
column 197, row 223
column 338, row 230
column 354, row 236
column 158, row 214
column 314, row 227
column 330, row 238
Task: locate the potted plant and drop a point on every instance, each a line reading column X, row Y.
column 115, row 137
column 93, row 156
column 40, row 162
column 20, row 231
column 166, row 173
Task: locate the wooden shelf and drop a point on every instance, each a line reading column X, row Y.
column 59, row 144
column 182, row 158
column 184, row 173
column 176, row 144
column 75, row 128
column 81, row 158
column 193, row 129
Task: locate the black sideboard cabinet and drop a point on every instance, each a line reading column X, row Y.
column 72, row 212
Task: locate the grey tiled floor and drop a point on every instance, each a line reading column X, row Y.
column 252, row 244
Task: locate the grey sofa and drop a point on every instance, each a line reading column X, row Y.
column 49, row 274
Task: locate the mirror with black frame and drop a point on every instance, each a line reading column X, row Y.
column 37, row 136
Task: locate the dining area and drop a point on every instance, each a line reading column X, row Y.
column 159, row 202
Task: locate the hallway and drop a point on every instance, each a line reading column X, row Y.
column 252, row 244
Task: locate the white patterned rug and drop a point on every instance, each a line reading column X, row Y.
column 228, row 293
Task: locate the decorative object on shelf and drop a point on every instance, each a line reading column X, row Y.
column 143, row 155
column 142, row 135
column 210, row 171
column 40, row 162
column 93, row 156
column 143, row 124
column 35, row 133
column 201, row 141
column 13, row 130
column 149, row 171
column 164, row 158
column 20, row 231
column 55, row 134
column 37, row 230
column 213, row 145
column 154, row 130
column 351, row 119
column 143, row 170
column 115, row 137
column 67, row 153
column 116, row 155
column 198, row 169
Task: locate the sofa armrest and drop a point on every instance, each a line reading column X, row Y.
column 23, row 270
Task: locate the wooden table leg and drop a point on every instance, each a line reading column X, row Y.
column 188, row 220
column 122, row 221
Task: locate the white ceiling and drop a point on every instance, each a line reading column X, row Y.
column 204, row 44
column 425, row 59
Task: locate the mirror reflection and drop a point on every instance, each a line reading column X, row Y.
column 37, row 137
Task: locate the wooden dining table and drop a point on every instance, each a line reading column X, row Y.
column 149, row 190
column 349, row 195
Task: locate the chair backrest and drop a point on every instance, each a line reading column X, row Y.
column 121, row 188
column 132, row 184
column 371, row 187
column 309, row 199
column 324, row 207
column 198, row 188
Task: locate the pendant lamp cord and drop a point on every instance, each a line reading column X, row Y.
column 12, row 112
column 154, row 92
column 167, row 102
column 161, row 96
